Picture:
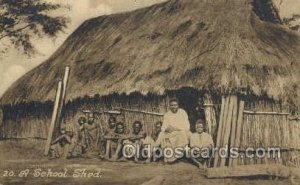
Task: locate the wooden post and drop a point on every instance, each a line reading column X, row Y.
column 233, row 126
column 227, row 127
column 62, row 98
column 226, row 110
column 210, row 114
column 62, row 101
column 239, row 129
column 54, row 118
column 57, row 112
column 220, row 128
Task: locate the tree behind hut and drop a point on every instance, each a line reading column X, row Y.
column 21, row 20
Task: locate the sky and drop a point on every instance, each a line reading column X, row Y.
column 14, row 64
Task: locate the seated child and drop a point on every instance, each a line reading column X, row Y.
column 154, row 140
column 137, row 137
column 109, row 133
column 203, row 141
column 114, row 143
column 60, row 147
column 157, row 131
column 111, row 125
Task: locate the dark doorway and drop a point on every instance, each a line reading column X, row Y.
column 191, row 101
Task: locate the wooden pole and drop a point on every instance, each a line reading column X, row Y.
column 65, row 83
column 54, row 118
column 63, row 95
column 210, row 114
column 226, row 136
column 239, row 129
column 233, row 126
column 226, row 110
column 220, row 128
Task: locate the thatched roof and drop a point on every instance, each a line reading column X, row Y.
column 217, row 45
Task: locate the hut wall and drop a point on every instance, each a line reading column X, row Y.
column 26, row 121
column 32, row 120
column 268, row 125
column 150, row 104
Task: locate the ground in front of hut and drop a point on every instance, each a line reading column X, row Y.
column 18, row 156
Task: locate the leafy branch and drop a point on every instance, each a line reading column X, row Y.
column 20, row 20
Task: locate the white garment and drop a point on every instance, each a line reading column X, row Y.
column 202, row 140
column 178, row 120
column 175, row 139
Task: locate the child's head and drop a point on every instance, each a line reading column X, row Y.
column 63, row 130
column 158, row 126
column 82, row 121
column 120, row 129
column 90, row 118
column 112, row 122
column 137, row 127
column 200, row 126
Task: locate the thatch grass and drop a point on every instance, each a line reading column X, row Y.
column 219, row 45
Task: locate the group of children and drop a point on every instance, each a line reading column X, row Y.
column 116, row 139
column 75, row 141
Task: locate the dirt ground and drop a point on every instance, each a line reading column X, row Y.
column 17, row 156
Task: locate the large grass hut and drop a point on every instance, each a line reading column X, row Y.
column 222, row 51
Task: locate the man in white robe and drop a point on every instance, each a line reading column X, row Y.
column 175, row 129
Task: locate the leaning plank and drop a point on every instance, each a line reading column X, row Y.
column 249, row 171
column 220, row 128
column 64, row 89
column 54, row 118
column 233, row 126
column 239, row 129
column 65, row 81
column 226, row 110
column 228, row 126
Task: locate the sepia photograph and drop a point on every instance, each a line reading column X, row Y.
column 150, row 92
